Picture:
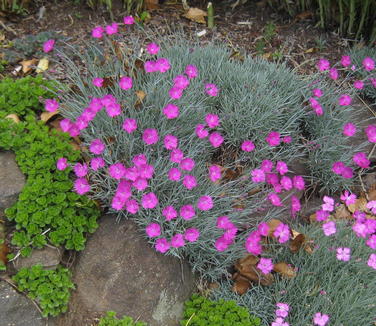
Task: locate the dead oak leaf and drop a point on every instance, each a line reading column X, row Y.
column 359, row 205
column 286, row 270
column 197, row 15
column 28, row 65
column 241, row 285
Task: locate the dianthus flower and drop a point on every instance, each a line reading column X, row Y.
column 48, row 46
column 170, row 142
column 371, row 242
column 282, row 232
column 280, row 322
column 253, row 247
column 272, row 179
column 358, row 84
column 88, row 114
column 273, row 138
column 267, row 166
column 117, row 203
column 346, row 60
column 117, row 171
column 62, row 164
column 190, row 182
column 187, row 212
column 113, row 110
column 247, row 146
column 150, row 66
column 368, row 64
column 112, row 29
column 338, row 167
column 98, row 82
column 162, row 245
column 347, row 172
column 97, row 32
column 286, row 183
column 361, row 160
column 81, row 123
column 131, row 173
column 216, row 139
column 201, row 132
column 191, row 71
column 258, row 175
column 371, row 133
column 265, row 265
column 146, row 171
column 125, row 83
column 211, row 89
column 360, row 229
column 81, row 186
column 333, row 73
column 176, row 155
column 205, row 203
column 372, row 261
column 140, row 184
column 80, row 170
column 343, row 254
column 191, row 234
column 282, row 309
column 177, row 241
column 131, row 206
column 96, row 104
column 187, row 164
column 221, row 244
column 212, row 120
column 328, row 204
column 274, row 199
column 152, row 48
column 223, row 222
column 171, row 111
column 169, row 212
column 287, row 139
column 344, row 100
column 174, row 174
column 175, row 92
column 65, row 124
column 51, row 105
column 323, row 65
column 149, row 200
column 348, row 198
column 295, row 205
column 317, row 92
column 349, row 129
column 281, row 167
column 371, row 205
column 139, row 160
column 153, row 230
column 263, row 229
column 73, row 130
column 320, row 319
column 150, row 136
column 214, row 173
column 162, row 65
column 97, row 146
column 329, row 228
column 181, row 82
column 128, row 20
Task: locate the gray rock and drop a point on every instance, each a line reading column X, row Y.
column 16, row 309
column 11, row 181
column 48, row 257
column 118, row 270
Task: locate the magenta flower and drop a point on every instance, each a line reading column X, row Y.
column 263, row 229
column 191, row 71
column 81, row 186
column 96, row 104
column 320, row 319
column 368, row 64
column 348, row 198
column 272, row 179
column 128, row 20
column 177, row 241
column 48, row 46
column 328, row 204
column 150, row 66
column 117, row 203
column 162, row 245
column 343, row 254
column 97, row 163
column 338, row 167
column 140, row 184
column 80, row 170
column 205, row 203
column 211, row 89
column 265, row 265
column 223, row 222
column 97, row 146
column 282, row 232
column 175, row 93
column 344, row 100
column 329, row 228
column 346, row 60
column 192, row 234
column 113, row 110
column 323, row 65
column 361, row 160
column 267, row 166
column 171, row 111
column 190, row 182
column 116, row 171
column 230, row 234
column 295, row 205
column 180, row 81
column 333, row 73
column 97, row 32
column 286, row 183
column 371, row 133
column 371, row 205
column 214, row 173
column 373, row 82
column 51, row 105
column 371, row 242
column 62, row 164
column 130, row 125
column 212, row 120
column 358, row 84
column 319, row 110
column 153, row 230
column 317, row 92
column 152, row 48
column 65, row 124
column 108, row 100
column 279, row 321
column 273, row 138
column 360, row 229
column 281, row 167
column 170, row 142
column 282, row 309
column 349, row 129
column 162, row 65
column 372, row 261
column 258, row 175
column 73, row 130
column 125, row 83
column 287, row 139
column 274, row 199
column 146, row 171
column 149, row 200
column 169, row 213
column 347, row 172
column 98, row 82
column 139, row 160
column 150, row 136
column 221, row 244
column 112, row 29
column 247, row 146
column 174, row 174
column 88, row 114
column 216, row 139
column 200, row 131
column 253, row 247
column 176, row 155
column 187, row 164
column 131, row 206
column 314, row 103
column 81, row 123
column 187, row 212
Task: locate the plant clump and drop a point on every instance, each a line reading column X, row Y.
column 110, row 319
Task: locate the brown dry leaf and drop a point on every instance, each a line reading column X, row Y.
column 13, row 117
column 312, row 218
column 140, row 95
column 360, row 205
column 108, row 82
column 372, row 217
column 267, row 55
column 4, row 251
column 285, row 270
column 273, row 224
column 310, row 50
column 297, row 242
column 304, row 15
column 42, row 65
column 197, row 15
column 342, row 213
column 372, row 195
column 151, row 4
column 45, row 116
column 241, row 285
column 246, row 263
column 27, row 65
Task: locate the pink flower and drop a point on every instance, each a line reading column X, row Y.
column 273, row 138
column 125, row 83
column 169, row 213
column 97, row 163
column 187, row 164
column 338, row 167
column 329, row 228
column 349, row 129
column 216, row 139
column 98, row 82
column 368, row 64
column 116, row 171
column 191, row 71
column 187, row 212
column 282, row 232
column 51, row 105
column 97, row 146
column 317, row 92
column 280, row 322
column 358, row 84
column 263, row 229
column 343, row 254
column 81, row 123
column 272, row 179
column 347, row 172
column 152, row 48
column 176, row 155
column 177, row 241
column 348, row 198
column 287, row 139
column 258, row 175
column 96, row 104
column 149, row 200
column 97, row 32
column 371, row 133
column 214, row 173
column 201, row 132
column 128, row 20
column 150, row 136
column 140, row 184
column 88, row 114
column 191, row 234
column 322, row 215
column 174, row 174
column 130, row 125
column 131, row 206
column 221, row 244
column 112, row 29
column 113, row 110
column 139, row 160
column 281, row 167
column 162, row 245
column 190, row 182
column 328, row 204
column 318, row 110
column 48, row 46
column 286, row 183
column 314, row 103
column 360, row 229
column 373, row 82
column 180, row 81
column 146, row 171
column 346, row 60
column 283, row 309
column 65, row 124
column 153, row 230
column 205, row 203
column 372, row 261
column 295, row 205
column 171, row 111
column 247, row 146
column 274, row 199
column 212, row 120
column 62, row 164
column 223, row 222
column 323, row 65
column 265, row 265
column 359, row 216
column 211, row 89
column 371, row 205
column 175, row 92
column 320, row 319
column 371, row 242
column 253, row 247
column 81, row 186
column 73, row 130
column 344, row 100
column 162, row 65
column 333, row 73
column 267, row 166
column 361, row 160
column 80, row 170
column 150, row 66
column 170, row 142
column 108, row 100
column 117, row 203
